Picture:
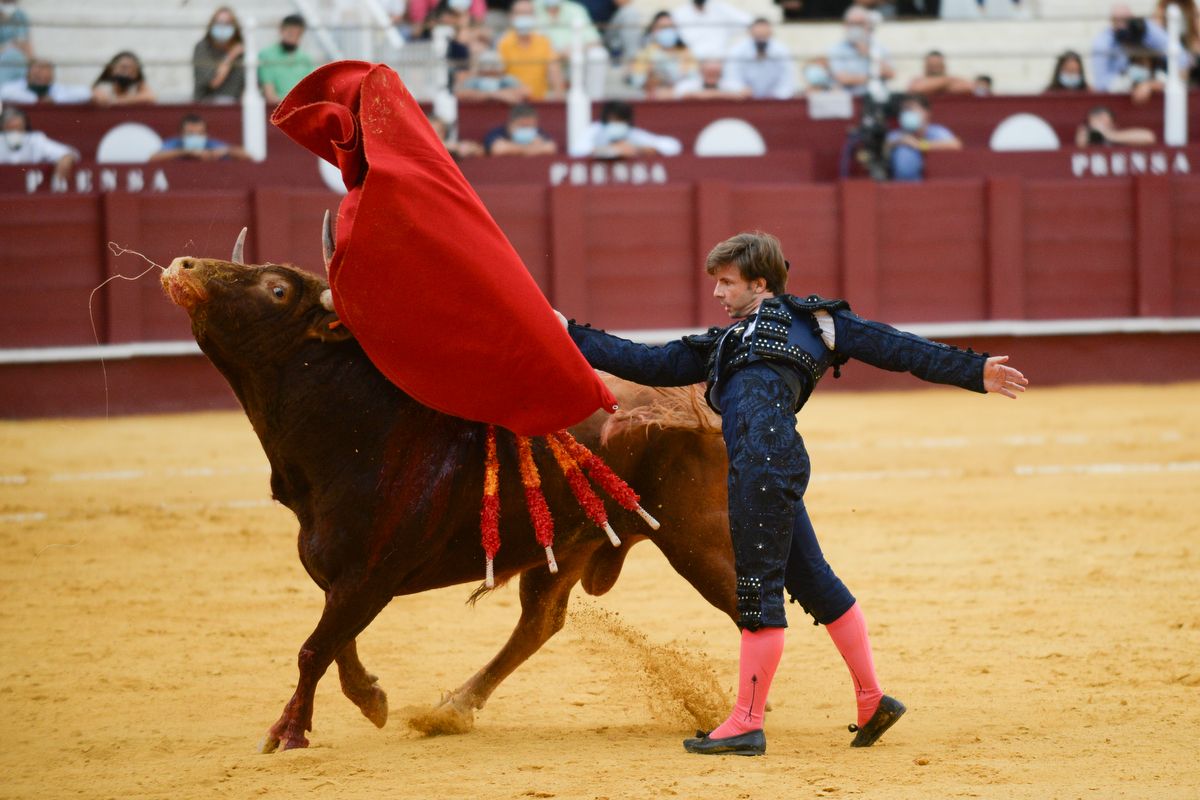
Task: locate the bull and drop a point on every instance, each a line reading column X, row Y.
column 387, row 490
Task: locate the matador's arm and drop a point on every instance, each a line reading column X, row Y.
column 677, row 363
column 885, row 347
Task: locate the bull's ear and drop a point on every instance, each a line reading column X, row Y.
column 328, row 328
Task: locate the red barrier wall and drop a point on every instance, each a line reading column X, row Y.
column 190, row 383
column 631, row 257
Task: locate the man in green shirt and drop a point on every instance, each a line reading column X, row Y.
column 283, row 64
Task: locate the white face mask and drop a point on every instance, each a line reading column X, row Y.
column 616, row 131
column 14, row 139
column 1071, row 80
column 8, row 9
column 856, row 34
column 194, row 141
column 911, row 120
column 523, row 23
column 459, row 5
column 1137, row 73
column 221, row 31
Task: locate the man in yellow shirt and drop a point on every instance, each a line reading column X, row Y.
column 528, row 55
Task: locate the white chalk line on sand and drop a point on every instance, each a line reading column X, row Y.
column 1012, row 440
column 1038, row 470
column 27, row 517
column 1020, row 471
column 914, row 443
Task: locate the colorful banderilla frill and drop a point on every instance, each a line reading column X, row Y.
column 489, row 517
column 572, row 458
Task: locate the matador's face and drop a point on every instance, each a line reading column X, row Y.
column 738, row 296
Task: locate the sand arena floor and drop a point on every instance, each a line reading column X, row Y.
column 1031, row 572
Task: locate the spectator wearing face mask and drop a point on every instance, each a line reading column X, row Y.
column 906, row 148
column 15, row 49
column 711, row 83
column 520, row 135
column 193, row 143
column 850, row 59
column 664, row 61
column 1111, row 47
column 817, row 77
column 762, row 64
column 1100, row 129
column 219, row 76
column 39, row 86
column 282, row 65
column 934, row 79
column 424, row 14
column 1068, row 74
column 708, row 27
column 614, row 136
column 122, row 82
column 528, row 55
column 1145, row 75
column 24, row 146
column 982, row 86
column 557, row 19
column 489, row 81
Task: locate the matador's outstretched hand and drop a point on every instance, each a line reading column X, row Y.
column 1002, row 379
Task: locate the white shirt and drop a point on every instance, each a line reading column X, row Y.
column 693, row 84
column 665, row 145
column 772, row 76
column 18, row 92
column 36, row 148
column 824, row 322
column 708, row 33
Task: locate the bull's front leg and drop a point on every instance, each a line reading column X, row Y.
column 347, row 611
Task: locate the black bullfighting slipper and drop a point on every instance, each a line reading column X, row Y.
column 890, row 710
column 753, row 743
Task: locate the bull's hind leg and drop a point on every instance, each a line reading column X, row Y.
column 361, row 686
column 347, row 611
column 544, row 599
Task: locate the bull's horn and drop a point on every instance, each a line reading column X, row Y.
column 238, row 246
column 327, row 239
column 327, row 300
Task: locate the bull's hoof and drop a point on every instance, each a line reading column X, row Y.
column 448, row 719
column 295, row 742
column 289, row 741
column 375, row 707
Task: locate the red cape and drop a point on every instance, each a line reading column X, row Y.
column 421, row 273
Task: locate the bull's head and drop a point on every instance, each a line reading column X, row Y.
column 252, row 311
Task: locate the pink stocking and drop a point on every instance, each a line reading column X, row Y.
column 849, row 634
column 761, row 651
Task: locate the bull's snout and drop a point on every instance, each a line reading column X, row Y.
column 181, row 283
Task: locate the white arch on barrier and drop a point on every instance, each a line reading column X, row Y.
column 730, row 137
column 128, row 143
column 1024, row 132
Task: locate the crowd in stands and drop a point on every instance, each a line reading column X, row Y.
column 700, row 49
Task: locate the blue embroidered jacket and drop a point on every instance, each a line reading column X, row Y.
column 786, row 336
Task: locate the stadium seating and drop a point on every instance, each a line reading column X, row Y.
column 1017, row 53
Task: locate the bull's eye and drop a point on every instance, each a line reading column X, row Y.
column 278, row 291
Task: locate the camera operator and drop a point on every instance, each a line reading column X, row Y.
column 1112, row 46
